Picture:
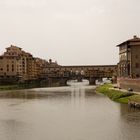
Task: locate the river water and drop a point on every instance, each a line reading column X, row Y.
column 65, row 113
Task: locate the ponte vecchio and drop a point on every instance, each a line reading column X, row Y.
column 79, row 72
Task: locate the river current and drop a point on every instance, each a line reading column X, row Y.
column 75, row 112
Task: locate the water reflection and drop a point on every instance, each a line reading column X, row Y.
column 32, row 94
column 130, row 122
column 75, row 112
column 12, row 128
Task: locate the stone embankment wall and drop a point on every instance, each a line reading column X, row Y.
column 126, row 83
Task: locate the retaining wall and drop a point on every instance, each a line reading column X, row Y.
column 126, row 83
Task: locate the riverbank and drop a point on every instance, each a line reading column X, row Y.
column 118, row 95
column 27, row 86
column 15, row 87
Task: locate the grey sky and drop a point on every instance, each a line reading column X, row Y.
column 69, row 31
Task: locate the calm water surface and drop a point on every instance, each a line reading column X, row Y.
column 65, row 113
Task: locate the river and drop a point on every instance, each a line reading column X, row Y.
column 75, row 112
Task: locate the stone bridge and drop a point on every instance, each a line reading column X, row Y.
column 92, row 73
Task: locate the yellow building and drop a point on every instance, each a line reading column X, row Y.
column 17, row 65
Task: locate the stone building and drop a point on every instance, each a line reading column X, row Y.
column 17, row 65
column 41, row 66
column 51, row 68
column 129, row 58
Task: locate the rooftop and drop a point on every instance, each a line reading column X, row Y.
column 134, row 39
column 12, row 46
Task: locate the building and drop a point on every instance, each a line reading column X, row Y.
column 129, row 64
column 129, row 58
column 17, row 65
column 51, row 69
column 41, row 65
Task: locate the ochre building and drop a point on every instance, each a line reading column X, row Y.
column 17, row 65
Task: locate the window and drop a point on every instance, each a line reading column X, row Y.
column 7, row 67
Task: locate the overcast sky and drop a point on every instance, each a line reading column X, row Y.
column 73, row 32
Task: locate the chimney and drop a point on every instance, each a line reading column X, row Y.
column 50, row 61
column 135, row 37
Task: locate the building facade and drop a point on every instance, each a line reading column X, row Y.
column 129, row 58
column 17, row 65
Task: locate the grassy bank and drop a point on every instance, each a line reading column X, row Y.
column 116, row 95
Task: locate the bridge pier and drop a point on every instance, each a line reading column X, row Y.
column 56, row 82
column 63, row 82
column 50, row 82
column 92, row 81
column 100, row 79
column 79, row 79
